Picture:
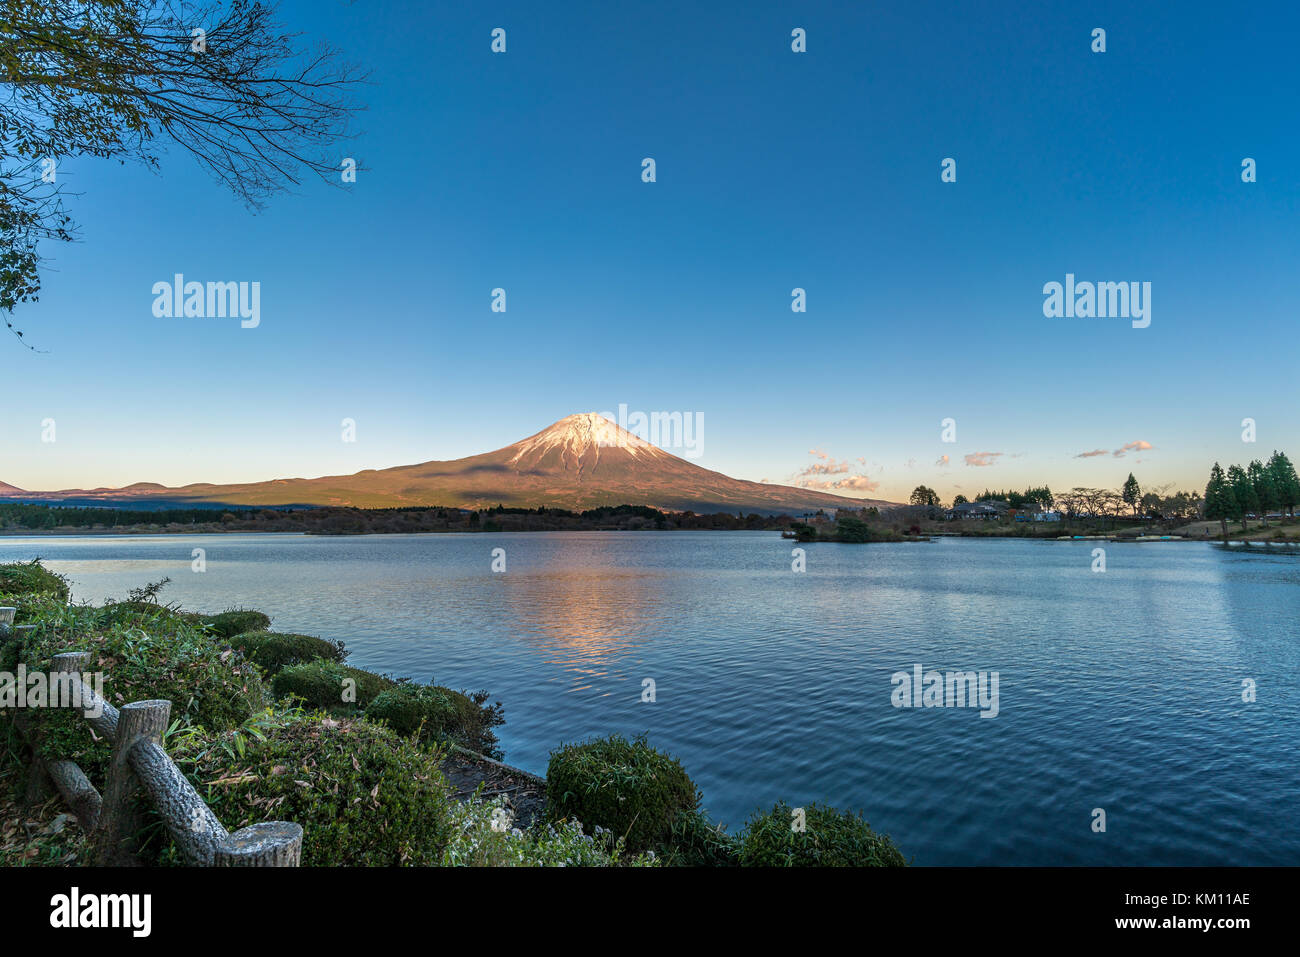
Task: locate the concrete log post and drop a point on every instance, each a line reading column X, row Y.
column 77, row 791
column 39, row 786
column 103, row 716
column 70, row 662
column 140, row 722
column 273, row 844
column 192, row 825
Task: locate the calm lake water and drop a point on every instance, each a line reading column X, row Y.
column 1120, row 690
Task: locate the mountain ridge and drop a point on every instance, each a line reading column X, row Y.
column 581, row 461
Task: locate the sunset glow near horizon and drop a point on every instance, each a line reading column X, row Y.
column 775, row 171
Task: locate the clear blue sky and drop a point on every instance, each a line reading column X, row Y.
column 775, row 170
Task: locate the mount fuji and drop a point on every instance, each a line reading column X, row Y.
column 582, row 461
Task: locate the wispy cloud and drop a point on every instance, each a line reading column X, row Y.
column 943, row 460
column 1141, row 445
column 825, row 468
column 983, row 459
column 1138, row 446
column 853, row 483
column 813, row 476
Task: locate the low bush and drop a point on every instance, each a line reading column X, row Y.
column 363, row 795
column 829, row 838
column 274, row 651
column 434, row 713
column 483, row 836
column 624, row 786
column 695, row 841
column 31, row 578
column 236, row 621
column 180, row 663
column 144, row 614
column 35, row 609
column 329, row 684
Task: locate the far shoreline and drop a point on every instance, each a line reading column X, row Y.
column 1282, row 543
column 900, row 524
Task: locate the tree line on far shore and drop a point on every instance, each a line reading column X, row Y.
column 341, row 520
column 1257, row 489
column 1235, row 495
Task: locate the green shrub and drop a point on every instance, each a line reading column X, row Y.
column 31, row 578
column 325, row 684
column 236, row 621
column 830, row 838
column 169, row 660
column 484, row 837
column 33, row 607
column 363, row 795
column 144, row 614
column 435, row 713
column 626, row 787
column 695, row 841
column 274, row 651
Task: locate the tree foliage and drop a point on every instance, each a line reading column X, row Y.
column 923, row 495
column 1220, row 502
column 119, row 79
column 1131, row 493
column 1285, row 482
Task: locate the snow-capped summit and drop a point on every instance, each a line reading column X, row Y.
column 579, row 438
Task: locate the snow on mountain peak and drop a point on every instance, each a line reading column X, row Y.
column 586, row 431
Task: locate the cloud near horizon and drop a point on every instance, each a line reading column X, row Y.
column 825, row 468
column 983, row 459
column 806, row 478
column 854, row 483
column 1140, row 445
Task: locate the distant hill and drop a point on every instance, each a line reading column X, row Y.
column 582, row 461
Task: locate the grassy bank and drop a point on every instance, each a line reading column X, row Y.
column 279, row 726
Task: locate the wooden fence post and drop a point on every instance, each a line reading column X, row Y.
column 69, row 662
column 74, row 663
column 7, row 621
column 273, row 844
column 140, row 767
column 193, row 825
column 48, row 774
column 119, row 820
column 79, row 794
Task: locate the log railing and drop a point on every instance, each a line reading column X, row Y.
column 140, row 764
column 7, row 628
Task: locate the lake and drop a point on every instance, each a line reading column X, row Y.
column 1119, row 690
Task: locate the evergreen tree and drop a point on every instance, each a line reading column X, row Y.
column 1262, row 479
column 1244, row 494
column 1132, row 493
column 1285, row 482
column 1220, row 503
